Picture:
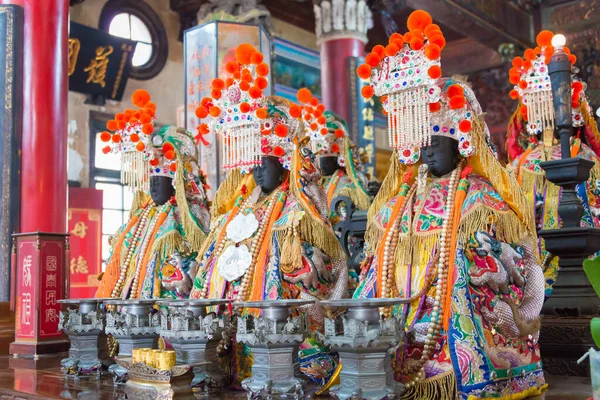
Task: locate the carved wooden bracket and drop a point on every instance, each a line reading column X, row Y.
column 188, row 13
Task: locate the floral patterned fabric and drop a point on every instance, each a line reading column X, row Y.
column 317, row 278
column 480, row 347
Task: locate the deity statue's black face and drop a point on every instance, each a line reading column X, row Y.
column 328, row 165
column 161, row 189
column 441, row 156
column 269, row 174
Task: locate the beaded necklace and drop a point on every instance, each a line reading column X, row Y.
column 138, row 229
column 254, row 250
column 441, row 262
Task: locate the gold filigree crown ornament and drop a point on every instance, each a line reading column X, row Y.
column 532, row 87
column 130, row 136
column 406, row 75
column 236, row 109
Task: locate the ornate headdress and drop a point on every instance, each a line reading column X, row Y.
column 532, row 84
column 326, row 136
column 535, row 111
column 405, row 74
column 279, row 127
column 169, row 148
column 237, row 110
column 131, row 137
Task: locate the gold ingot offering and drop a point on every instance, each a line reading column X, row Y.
column 166, row 360
column 152, row 358
column 136, row 356
column 146, row 356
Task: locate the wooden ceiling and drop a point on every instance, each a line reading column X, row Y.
column 301, row 14
column 474, row 30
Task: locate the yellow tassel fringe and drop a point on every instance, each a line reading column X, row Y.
column 312, row 228
column 357, row 196
column 487, row 165
column 225, row 194
column 508, row 226
column 516, row 396
column 140, row 199
column 389, row 188
column 291, row 251
column 440, row 387
column 169, row 244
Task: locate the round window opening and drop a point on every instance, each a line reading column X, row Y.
column 136, row 20
column 129, row 26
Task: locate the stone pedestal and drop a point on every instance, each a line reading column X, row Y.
column 273, row 338
column 39, row 269
column 134, row 324
column 194, row 335
column 362, row 339
column 83, row 321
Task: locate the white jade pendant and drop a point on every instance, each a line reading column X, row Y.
column 234, row 262
column 242, row 227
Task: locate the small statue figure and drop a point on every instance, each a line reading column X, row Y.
column 169, row 215
column 269, row 239
column 446, row 247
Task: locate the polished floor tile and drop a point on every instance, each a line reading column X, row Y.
column 36, row 380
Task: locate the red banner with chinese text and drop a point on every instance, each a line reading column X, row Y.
column 85, row 229
column 51, row 276
column 27, row 283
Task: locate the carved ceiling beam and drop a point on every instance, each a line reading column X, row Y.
column 491, row 22
column 188, row 13
column 466, row 55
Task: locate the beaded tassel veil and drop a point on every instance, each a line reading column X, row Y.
column 409, row 118
column 404, row 75
column 131, row 137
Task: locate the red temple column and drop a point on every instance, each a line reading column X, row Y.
column 38, row 273
column 341, row 28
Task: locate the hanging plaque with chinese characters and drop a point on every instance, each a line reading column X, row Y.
column 99, row 63
column 361, row 116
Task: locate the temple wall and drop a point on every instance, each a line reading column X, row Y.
column 167, row 88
